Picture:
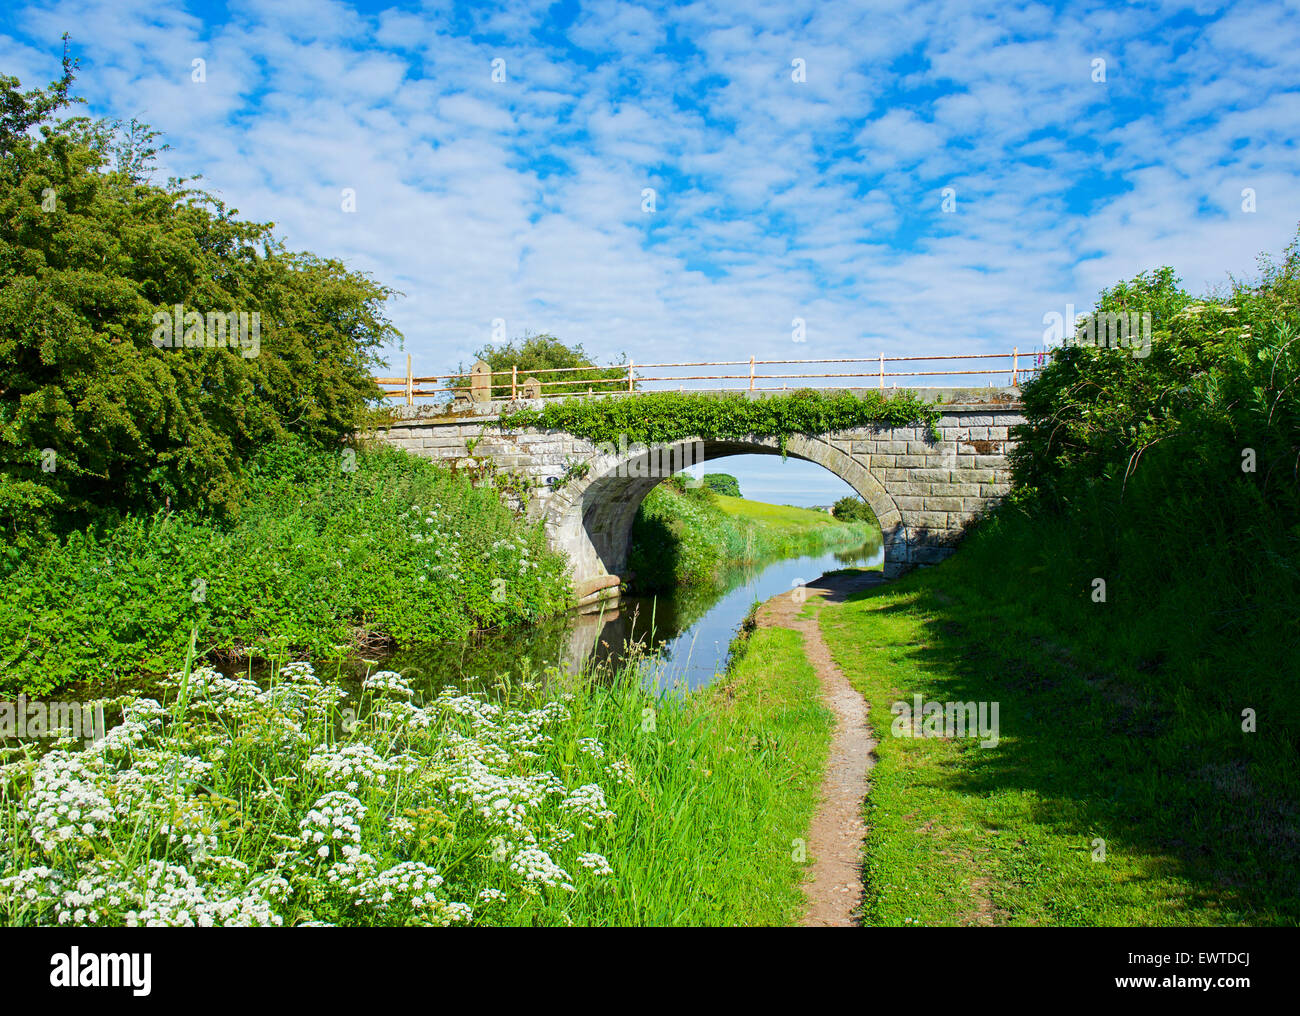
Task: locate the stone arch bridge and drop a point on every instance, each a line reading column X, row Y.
column 923, row 492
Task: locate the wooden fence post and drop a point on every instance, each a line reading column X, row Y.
column 514, row 378
column 751, row 373
column 410, row 387
column 630, row 365
column 1015, row 356
column 882, row 372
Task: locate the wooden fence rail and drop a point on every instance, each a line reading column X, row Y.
column 479, row 384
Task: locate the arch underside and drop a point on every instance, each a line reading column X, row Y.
column 591, row 520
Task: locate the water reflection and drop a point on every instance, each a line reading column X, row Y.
column 692, row 631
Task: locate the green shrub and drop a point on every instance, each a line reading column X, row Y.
column 1174, row 476
column 1220, row 378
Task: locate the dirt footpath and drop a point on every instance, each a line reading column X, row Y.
column 834, row 885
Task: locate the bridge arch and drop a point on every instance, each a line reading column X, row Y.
column 924, row 484
column 590, row 518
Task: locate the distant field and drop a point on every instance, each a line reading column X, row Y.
column 780, row 514
column 691, row 536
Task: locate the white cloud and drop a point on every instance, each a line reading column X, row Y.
column 776, row 199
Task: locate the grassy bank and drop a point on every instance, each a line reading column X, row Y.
column 1099, row 746
column 588, row 804
column 1131, row 611
column 329, row 551
column 689, row 537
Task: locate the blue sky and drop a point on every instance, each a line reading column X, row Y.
column 775, row 198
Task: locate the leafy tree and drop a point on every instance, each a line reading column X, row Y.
column 1093, row 406
column 95, row 417
column 1222, row 375
column 852, row 509
column 21, row 111
column 544, row 352
column 722, row 483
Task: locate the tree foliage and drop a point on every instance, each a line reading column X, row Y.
column 722, row 483
column 94, row 417
column 1217, row 396
column 539, row 353
column 852, row 509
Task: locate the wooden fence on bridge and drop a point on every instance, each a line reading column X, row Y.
column 482, row 383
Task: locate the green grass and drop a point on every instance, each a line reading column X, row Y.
column 731, row 781
column 773, row 514
column 1198, row 817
